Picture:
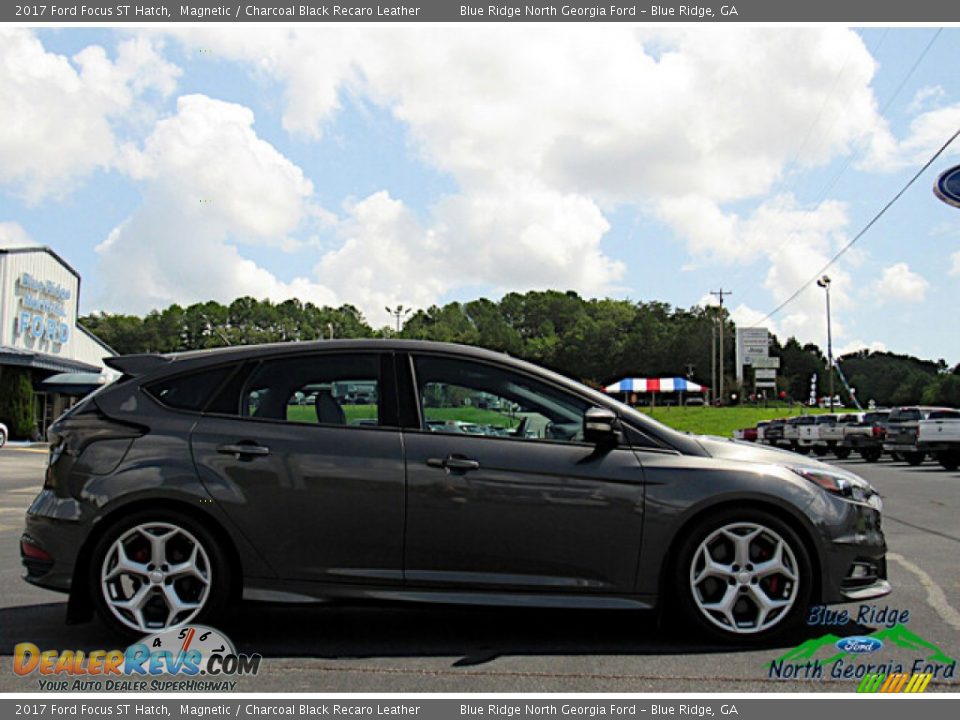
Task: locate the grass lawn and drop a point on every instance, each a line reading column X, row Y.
column 720, row 421
column 308, row 414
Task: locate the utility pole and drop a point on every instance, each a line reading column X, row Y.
column 713, row 356
column 720, row 293
column 824, row 282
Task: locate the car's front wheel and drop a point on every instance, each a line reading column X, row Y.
column 156, row 570
column 842, row 453
column 744, row 576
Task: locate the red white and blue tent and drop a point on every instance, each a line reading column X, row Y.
column 654, row 385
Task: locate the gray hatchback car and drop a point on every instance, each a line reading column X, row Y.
column 465, row 476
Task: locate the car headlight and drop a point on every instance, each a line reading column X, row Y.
column 839, row 483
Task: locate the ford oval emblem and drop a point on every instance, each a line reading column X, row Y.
column 859, row 644
column 947, row 186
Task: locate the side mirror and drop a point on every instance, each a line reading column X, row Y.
column 601, row 426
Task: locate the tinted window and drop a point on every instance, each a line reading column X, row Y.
column 904, row 415
column 315, row 389
column 191, row 391
column 875, row 417
column 458, row 396
column 944, row 415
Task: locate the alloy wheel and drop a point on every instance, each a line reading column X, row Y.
column 744, row 578
column 154, row 576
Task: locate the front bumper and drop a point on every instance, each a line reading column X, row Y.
column 854, row 565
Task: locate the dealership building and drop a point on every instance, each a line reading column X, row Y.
column 39, row 301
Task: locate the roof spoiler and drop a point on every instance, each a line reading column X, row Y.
column 136, row 365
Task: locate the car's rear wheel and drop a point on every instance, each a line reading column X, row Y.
column 950, row 460
column 156, row 570
column 819, row 451
column 744, row 575
column 871, row 454
column 842, row 453
column 914, row 458
column 3, row 438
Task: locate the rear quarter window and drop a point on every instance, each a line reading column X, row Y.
column 189, row 391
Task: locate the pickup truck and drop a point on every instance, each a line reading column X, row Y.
column 867, row 436
column 810, row 434
column 831, row 435
column 773, row 432
column 902, row 425
column 939, row 435
column 791, row 433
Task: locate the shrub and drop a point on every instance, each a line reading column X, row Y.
column 16, row 402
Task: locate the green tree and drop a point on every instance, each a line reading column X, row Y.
column 16, row 402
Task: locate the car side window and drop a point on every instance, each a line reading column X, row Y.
column 318, row 389
column 190, row 391
column 464, row 397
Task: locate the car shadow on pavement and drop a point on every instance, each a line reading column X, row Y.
column 474, row 635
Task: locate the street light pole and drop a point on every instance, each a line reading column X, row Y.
column 398, row 313
column 824, row 282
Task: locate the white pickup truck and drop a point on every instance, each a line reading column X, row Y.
column 831, row 435
column 809, row 434
column 939, row 435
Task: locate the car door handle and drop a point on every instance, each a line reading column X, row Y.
column 241, row 449
column 454, row 462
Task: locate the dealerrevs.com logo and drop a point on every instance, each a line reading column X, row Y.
column 192, row 658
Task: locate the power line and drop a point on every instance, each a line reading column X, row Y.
column 850, row 158
column 860, row 234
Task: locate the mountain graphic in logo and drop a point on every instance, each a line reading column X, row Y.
column 898, row 636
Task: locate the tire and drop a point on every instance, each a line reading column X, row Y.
column 914, row 458
column 742, row 591
column 871, row 454
column 802, row 449
column 896, row 457
column 3, row 438
column 820, row 451
column 144, row 598
column 949, row 460
column 842, row 453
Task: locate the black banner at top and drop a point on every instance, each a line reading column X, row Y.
column 108, row 12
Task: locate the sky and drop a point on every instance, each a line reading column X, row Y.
column 421, row 164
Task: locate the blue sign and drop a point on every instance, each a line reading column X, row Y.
column 947, row 187
column 859, row 644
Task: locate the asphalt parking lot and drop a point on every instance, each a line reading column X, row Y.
column 441, row 649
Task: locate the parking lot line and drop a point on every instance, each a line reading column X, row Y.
column 936, row 597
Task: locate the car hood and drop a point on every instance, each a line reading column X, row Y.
column 738, row 450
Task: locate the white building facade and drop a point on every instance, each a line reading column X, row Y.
column 39, row 301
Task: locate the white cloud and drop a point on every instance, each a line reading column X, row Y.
column 59, row 113
column 858, row 345
column 955, row 264
column 12, row 234
column 927, row 96
column 928, row 132
column 208, row 183
column 545, row 132
column 899, row 284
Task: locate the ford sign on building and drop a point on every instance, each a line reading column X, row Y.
column 39, row 334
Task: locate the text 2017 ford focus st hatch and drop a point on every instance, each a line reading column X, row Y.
column 404, row 470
